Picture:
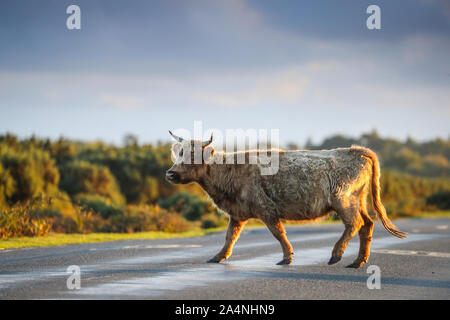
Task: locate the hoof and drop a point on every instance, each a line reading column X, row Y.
column 355, row 265
column 284, row 262
column 215, row 260
column 334, row 260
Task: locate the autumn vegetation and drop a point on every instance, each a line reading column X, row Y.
column 66, row 186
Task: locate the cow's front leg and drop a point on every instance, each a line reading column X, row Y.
column 234, row 229
column 278, row 231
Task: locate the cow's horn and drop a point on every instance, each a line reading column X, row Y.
column 179, row 139
column 207, row 143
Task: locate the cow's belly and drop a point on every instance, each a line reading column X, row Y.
column 300, row 214
column 238, row 209
column 255, row 203
column 305, row 210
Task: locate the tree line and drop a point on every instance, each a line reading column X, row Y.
column 73, row 186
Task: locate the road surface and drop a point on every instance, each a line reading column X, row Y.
column 414, row 268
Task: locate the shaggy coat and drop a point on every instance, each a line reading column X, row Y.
column 307, row 186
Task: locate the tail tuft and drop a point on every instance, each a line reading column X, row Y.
column 376, row 199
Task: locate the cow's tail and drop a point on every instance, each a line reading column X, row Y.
column 376, row 199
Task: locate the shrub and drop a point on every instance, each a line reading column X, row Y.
column 98, row 204
column 440, row 199
column 213, row 221
column 25, row 173
column 146, row 218
column 7, row 186
column 87, row 221
column 20, row 221
column 81, row 177
column 191, row 206
column 61, row 224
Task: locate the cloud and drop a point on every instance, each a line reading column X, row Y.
column 122, row 102
column 233, row 58
column 285, row 87
column 443, row 5
column 52, row 96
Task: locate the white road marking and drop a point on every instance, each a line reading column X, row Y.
column 225, row 272
column 209, row 251
column 181, row 279
column 143, row 246
column 442, row 227
column 163, row 246
column 7, row 279
column 414, row 253
column 195, row 252
column 303, row 257
column 164, row 281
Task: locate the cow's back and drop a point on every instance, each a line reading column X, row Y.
column 308, row 181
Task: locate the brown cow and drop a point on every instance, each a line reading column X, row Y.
column 308, row 185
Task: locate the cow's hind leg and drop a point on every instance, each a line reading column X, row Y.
column 234, row 229
column 365, row 238
column 352, row 221
column 278, row 231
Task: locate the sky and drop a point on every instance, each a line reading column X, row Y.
column 308, row 68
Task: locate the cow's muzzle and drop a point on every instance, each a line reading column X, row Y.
column 173, row 176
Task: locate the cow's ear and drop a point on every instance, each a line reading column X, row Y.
column 176, row 147
column 208, row 153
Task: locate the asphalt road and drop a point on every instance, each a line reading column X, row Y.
column 414, row 268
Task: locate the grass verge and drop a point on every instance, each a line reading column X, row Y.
column 56, row 239
column 433, row 214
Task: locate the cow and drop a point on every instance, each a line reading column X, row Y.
column 308, row 185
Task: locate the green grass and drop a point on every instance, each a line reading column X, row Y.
column 433, row 214
column 56, row 239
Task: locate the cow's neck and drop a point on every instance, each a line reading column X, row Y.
column 220, row 182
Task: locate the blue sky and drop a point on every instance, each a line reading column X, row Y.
column 308, row 68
